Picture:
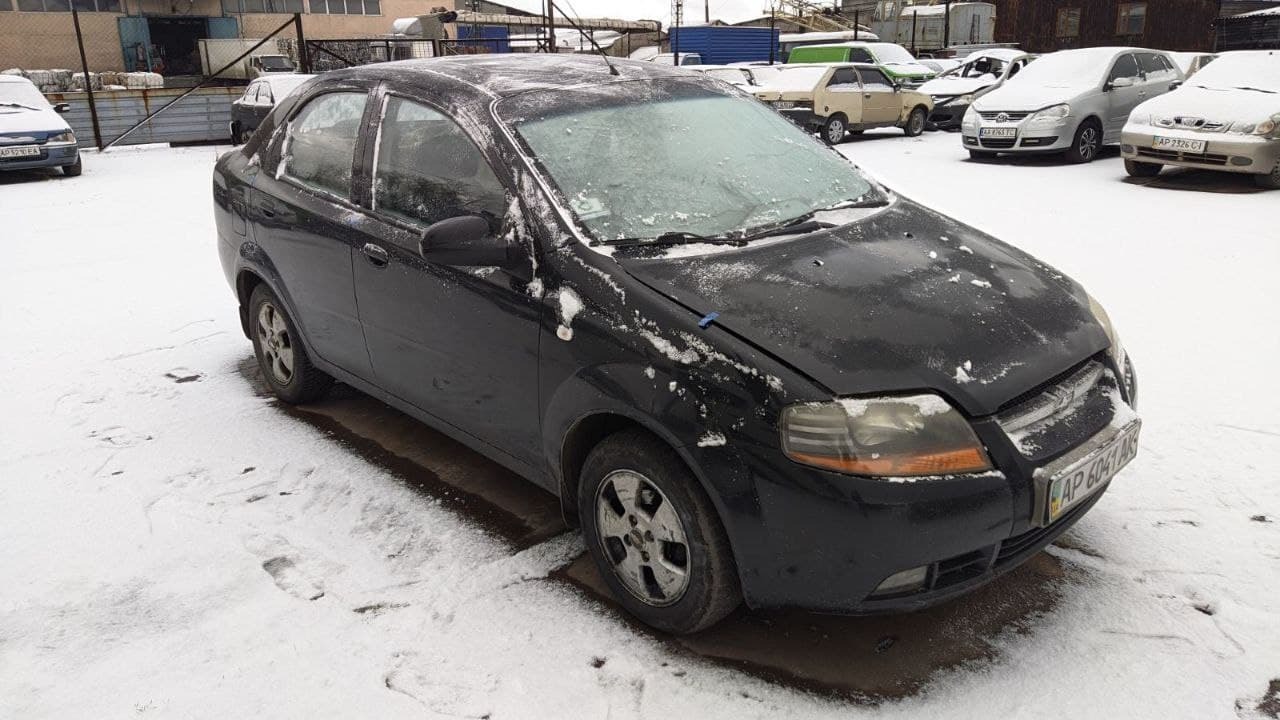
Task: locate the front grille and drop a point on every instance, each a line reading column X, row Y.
column 1012, row 547
column 1207, row 158
column 961, row 567
column 1009, row 114
column 1062, row 415
column 998, row 143
column 1191, row 123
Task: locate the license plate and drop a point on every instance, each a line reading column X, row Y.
column 1075, row 484
column 998, row 132
column 20, row 151
column 1179, row 144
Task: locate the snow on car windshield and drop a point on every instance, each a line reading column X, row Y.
column 1257, row 70
column 660, row 157
column 1068, row 68
column 22, row 93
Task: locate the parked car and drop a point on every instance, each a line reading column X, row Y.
column 955, row 90
column 32, row 132
column 248, row 110
column 1190, row 63
column 1070, row 102
column 1226, row 117
column 900, row 65
column 790, row 41
column 685, row 58
column 834, row 99
column 748, row 374
column 737, row 76
column 260, row 65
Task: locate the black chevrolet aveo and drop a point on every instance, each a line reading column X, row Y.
column 748, row 371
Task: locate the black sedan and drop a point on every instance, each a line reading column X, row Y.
column 749, row 371
column 250, row 109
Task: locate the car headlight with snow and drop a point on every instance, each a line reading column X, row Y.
column 900, row 436
column 1116, row 351
column 1268, row 127
column 970, row 119
column 1052, row 115
column 1141, row 119
column 66, row 137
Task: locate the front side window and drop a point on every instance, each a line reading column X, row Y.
column 428, row 170
column 1131, row 18
column 320, row 146
column 1068, row 23
column 874, row 79
column 706, row 169
column 1125, row 67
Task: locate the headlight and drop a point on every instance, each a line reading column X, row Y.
column 970, row 116
column 964, row 99
column 66, row 137
column 1052, row 114
column 910, row 435
column 1268, row 127
column 1117, row 349
column 1140, row 119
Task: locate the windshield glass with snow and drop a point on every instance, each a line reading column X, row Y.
column 23, row 94
column 1069, row 68
column 640, row 159
column 890, row 53
column 1260, row 71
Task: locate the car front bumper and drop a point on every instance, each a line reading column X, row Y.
column 947, row 115
column 1223, row 151
column 51, row 155
column 804, row 117
column 1030, row 137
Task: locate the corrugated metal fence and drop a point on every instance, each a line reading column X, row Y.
column 204, row 115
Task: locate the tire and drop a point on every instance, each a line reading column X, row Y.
column 75, row 169
column 1142, row 169
column 834, row 129
column 1270, row 181
column 626, row 482
column 281, row 356
column 916, row 122
column 1086, row 143
column 981, row 155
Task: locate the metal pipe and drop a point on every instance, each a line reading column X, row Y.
column 88, row 85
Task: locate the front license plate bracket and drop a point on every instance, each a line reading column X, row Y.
column 1068, row 482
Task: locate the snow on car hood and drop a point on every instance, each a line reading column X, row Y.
column 20, row 120
column 949, row 86
column 909, row 68
column 1028, row 96
column 904, row 300
column 1213, row 104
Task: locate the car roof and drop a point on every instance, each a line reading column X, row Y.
column 497, row 76
column 15, row 79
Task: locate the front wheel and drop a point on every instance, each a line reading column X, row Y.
column 1086, row 143
column 1270, row 181
column 655, row 535
column 915, row 122
column 74, row 169
column 1142, row 169
column 280, row 353
column 834, row 129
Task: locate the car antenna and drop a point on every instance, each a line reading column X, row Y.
column 552, row 5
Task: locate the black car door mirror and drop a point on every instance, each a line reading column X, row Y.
column 62, row 107
column 464, row 241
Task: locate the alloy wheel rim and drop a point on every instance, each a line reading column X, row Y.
column 276, row 344
column 642, row 538
column 835, row 131
column 917, row 122
column 1088, row 142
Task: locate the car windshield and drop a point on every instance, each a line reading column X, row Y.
column 641, row 159
column 889, row 53
column 796, row 77
column 22, row 95
column 1070, row 68
column 276, row 62
column 1251, row 71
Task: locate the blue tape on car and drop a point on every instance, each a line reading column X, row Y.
column 705, row 322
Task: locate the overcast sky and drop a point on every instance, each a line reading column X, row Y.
column 727, row 10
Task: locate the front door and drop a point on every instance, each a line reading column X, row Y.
column 880, row 102
column 301, row 216
column 1122, row 99
column 460, row 343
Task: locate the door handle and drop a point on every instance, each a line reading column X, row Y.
column 375, row 254
column 268, row 209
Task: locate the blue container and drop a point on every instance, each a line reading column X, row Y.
column 496, row 37
column 724, row 44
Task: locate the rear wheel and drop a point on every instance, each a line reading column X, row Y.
column 915, row 122
column 73, row 170
column 1270, row 181
column 655, row 536
column 1086, row 143
column 1142, row 169
column 280, row 353
column 834, row 129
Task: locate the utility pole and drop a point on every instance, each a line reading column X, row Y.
column 706, row 11
column 773, row 33
column 677, row 15
column 946, row 25
column 88, row 86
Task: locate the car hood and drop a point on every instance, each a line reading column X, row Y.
column 908, row 69
column 1217, row 105
column 904, row 300
column 1028, row 97
column 951, row 86
column 20, row 120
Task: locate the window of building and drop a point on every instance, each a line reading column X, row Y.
column 62, row 5
column 346, row 7
column 322, row 142
column 1131, row 18
column 1069, row 22
column 428, row 170
column 235, row 7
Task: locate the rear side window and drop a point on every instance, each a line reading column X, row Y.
column 428, row 170
column 250, row 94
column 860, row 55
column 321, row 143
column 843, row 79
column 874, row 79
column 1125, row 67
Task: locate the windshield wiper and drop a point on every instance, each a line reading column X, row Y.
column 800, row 226
column 1269, row 92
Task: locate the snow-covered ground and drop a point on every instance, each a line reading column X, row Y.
column 174, row 547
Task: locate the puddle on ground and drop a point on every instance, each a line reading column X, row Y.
column 865, row 659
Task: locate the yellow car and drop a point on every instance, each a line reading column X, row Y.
column 838, row 98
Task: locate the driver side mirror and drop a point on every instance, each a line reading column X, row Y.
column 1175, row 84
column 62, row 107
column 464, row 241
column 1120, row 82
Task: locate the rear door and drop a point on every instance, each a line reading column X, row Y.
column 302, row 215
column 880, row 102
column 460, row 343
column 1120, row 101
